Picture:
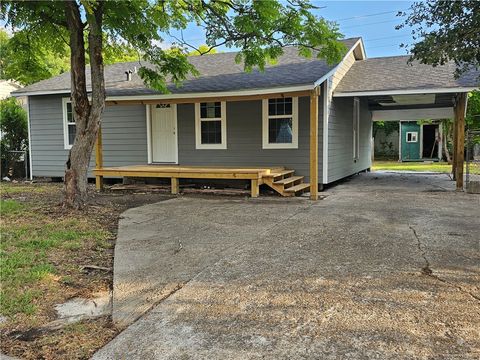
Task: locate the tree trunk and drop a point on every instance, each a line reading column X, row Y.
column 87, row 116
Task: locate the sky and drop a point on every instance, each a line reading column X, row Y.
column 374, row 21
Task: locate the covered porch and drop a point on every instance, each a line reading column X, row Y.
column 281, row 179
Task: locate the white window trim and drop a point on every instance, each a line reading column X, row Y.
column 198, row 127
column 413, row 133
column 266, row 117
column 356, row 128
column 65, row 101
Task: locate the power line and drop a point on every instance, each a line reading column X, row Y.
column 368, row 24
column 369, row 15
column 386, row 37
column 381, row 46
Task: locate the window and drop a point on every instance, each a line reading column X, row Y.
column 69, row 127
column 280, row 123
column 412, row 137
column 356, row 128
column 210, row 125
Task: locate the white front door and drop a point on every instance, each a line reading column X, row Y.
column 164, row 133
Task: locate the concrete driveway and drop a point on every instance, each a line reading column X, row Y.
column 386, row 266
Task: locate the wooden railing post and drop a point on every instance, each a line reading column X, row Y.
column 99, row 159
column 314, row 144
column 460, row 108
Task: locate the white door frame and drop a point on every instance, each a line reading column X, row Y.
column 149, row 110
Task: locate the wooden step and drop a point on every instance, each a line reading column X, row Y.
column 278, row 174
column 297, row 188
column 289, row 180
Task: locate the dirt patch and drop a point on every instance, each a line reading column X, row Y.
column 74, row 250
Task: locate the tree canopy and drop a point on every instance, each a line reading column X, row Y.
column 444, row 31
column 259, row 29
column 27, row 58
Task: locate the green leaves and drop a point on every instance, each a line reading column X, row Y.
column 445, row 31
column 13, row 125
column 169, row 64
column 133, row 29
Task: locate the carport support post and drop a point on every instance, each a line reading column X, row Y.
column 454, row 147
column 314, row 143
column 460, row 108
column 99, row 159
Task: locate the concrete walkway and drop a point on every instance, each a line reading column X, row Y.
column 385, row 267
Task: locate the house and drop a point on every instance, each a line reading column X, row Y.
column 300, row 121
column 7, row 87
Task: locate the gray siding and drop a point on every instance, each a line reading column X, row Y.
column 244, row 139
column 124, row 136
column 340, row 139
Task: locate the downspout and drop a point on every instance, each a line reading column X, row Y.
column 30, row 177
column 326, row 114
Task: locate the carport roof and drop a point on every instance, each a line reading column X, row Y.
column 395, row 75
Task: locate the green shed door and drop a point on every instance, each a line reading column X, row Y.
column 410, row 141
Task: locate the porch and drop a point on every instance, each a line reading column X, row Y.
column 282, row 180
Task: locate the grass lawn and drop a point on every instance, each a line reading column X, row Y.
column 440, row 167
column 43, row 248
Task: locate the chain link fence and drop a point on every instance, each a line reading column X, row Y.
column 472, row 168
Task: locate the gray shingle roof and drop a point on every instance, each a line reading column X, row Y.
column 218, row 72
column 395, row 73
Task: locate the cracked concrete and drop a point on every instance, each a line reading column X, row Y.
column 288, row 278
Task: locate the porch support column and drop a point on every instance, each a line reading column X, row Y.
column 460, row 107
column 99, row 159
column 254, row 188
column 314, row 143
column 174, row 184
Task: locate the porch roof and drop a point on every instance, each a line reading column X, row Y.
column 394, row 75
column 218, row 73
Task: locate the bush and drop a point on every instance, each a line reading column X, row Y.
column 14, row 133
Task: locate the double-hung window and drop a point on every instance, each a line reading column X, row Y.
column 280, row 123
column 69, row 127
column 210, row 125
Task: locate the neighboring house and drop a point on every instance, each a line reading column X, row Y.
column 7, row 87
column 418, row 142
column 299, row 114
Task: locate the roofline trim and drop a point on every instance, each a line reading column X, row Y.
column 189, row 95
column 405, row 92
column 331, row 72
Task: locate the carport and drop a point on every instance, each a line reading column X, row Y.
column 399, row 90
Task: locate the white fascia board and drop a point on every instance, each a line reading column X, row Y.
column 331, row 72
column 33, row 93
column 187, row 95
column 212, row 94
column 405, row 92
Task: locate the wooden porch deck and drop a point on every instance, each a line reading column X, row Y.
column 276, row 177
